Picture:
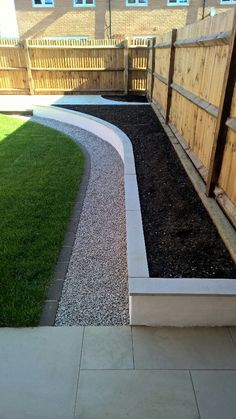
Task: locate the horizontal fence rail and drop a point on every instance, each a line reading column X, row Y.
column 41, row 66
column 191, row 79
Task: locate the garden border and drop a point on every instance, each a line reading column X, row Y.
column 224, row 227
column 154, row 301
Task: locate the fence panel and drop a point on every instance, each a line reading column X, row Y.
column 42, row 66
column 161, row 71
column 197, row 83
column 202, row 57
column 65, row 66
column 13, row 68
column 227, row 178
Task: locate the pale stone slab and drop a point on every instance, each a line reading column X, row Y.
column 216, row 393
column 107, row 348
column 183, row 348
column 131, row 193
column 135, row 395
column 182, row 310
column 182, row 286
column 26, row 102
column 39, row 372
column 137, row 259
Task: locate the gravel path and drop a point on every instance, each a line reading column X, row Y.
column 96, row 286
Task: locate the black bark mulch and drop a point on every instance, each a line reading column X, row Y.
column 181, row 240
column 129, row 98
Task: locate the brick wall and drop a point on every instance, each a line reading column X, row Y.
column 61, row 20
column 154, row 19
column 65, row 20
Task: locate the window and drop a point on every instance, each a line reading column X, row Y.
column 84, row 3
column 177, row 2
column 43, row 3
column 136, row 2
column 227, row 1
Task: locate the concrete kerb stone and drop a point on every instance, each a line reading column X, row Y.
column 185, row 286
column 154, row 301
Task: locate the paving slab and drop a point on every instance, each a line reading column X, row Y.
column 25, row 102
column 39, row 372
column 183, row 348
column 216, row 393
column 132, row 194
column 135, row 395
column 107, row 348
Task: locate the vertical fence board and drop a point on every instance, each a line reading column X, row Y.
column 126, row 66
column 28, row 67
column 150, row 68
column 161, row 71
column 170, row 74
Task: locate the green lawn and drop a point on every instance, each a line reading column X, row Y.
column 40, row 172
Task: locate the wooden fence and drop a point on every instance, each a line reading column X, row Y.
column 41, row 66
column 191, row 81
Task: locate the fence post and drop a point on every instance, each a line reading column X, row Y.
column 223, row 113
column 28, row 66
column 147, row 67
column 153, row 53
column 126, row 66
column 170, row 74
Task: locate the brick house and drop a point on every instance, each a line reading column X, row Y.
column 109, row 18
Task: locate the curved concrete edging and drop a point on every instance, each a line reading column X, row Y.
column 154, row 301
column 136, row 251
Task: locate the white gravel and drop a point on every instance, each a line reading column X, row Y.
column 96, row 286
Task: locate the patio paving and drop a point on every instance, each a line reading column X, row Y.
column 117, row 372
column 24, row 103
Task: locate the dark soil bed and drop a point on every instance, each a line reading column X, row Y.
column 129, row 98
column 181, row 240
